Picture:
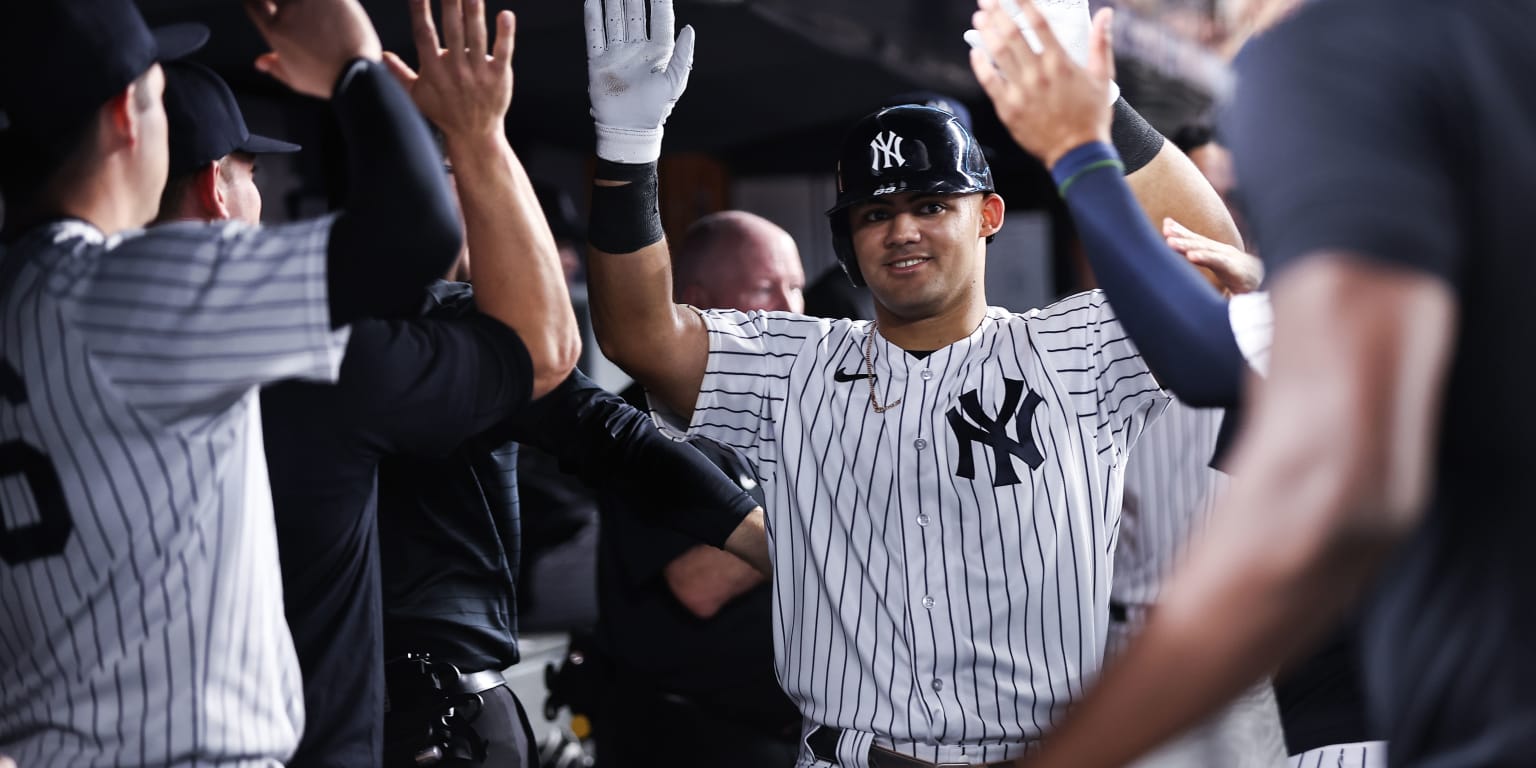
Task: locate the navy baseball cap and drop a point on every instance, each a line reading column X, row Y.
column 205, row 121
column 63, row 59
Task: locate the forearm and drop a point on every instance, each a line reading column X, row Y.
column 1251, row 597
column 663, row 345
column 612, row 446
column 1170, row 186
column 397, row 230
column 1178, row 320
column 516, row 264
column 705, row 580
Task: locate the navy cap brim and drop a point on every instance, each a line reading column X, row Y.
column 261, row 145
column 174, row 41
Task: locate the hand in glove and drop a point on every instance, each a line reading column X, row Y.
column 633, row 77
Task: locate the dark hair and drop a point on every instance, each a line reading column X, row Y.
column 1194, row 135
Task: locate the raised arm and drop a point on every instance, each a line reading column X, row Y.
column 397, row 229
column 466, row 93
column 634, row 78
column 1055, row 110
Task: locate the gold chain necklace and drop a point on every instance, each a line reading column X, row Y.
column 869, row 366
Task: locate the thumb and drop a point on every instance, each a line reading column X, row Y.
column 402, row 71
column 681, row 64
column 1101, row 46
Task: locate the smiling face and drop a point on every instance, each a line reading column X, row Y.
column 924, row 254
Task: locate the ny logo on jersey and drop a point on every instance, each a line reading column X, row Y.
column 994, row 432
column 885, row 152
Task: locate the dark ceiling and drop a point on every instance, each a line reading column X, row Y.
column 774, row 82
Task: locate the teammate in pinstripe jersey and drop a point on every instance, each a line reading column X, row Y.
column 945, row 483
column 142, row 612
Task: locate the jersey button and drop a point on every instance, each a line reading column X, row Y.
column 926, row 374
column 928, row 601
column 920, row 444
column 923, row 520
column 938, row 685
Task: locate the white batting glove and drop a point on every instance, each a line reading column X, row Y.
column 1070, row 21
column 633, row 78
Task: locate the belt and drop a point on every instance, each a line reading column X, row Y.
column 473, row 682
column 823, row 743
column 880, row 757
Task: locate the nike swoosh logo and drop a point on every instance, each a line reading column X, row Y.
column 842, row 375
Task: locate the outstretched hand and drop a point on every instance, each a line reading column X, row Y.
column 634, row 76
column 1049, row 104
column 463, row 87
column 1235, row 271
column 312, row 41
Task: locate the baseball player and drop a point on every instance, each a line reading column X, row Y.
column 1392, row 272
column 1202, row 345
column 945, row 481
column 143, row 618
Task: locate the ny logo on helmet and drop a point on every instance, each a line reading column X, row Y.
column 885, row 152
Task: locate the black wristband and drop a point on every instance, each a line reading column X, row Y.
column 625, row 218
column 1134, row 138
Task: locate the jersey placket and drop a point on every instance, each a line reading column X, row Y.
column 927, row 583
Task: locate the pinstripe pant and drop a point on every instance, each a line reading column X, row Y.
column 1244, row 735
column 1366, row 754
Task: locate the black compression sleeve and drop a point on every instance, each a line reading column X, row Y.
column 613, row 446
column 1134, row 138
column 1178, row 320
column 398, row 229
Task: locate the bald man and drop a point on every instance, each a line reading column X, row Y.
column 739, row 260
column 690, row 632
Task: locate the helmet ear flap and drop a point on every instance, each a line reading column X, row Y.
column 842, row 245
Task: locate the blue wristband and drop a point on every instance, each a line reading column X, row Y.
column 1083, row 160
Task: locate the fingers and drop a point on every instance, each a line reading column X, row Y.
column 402, row 71
column 506, row 30
column 663, row 18
column 1030, row 20
column 986, row 73
column 613, row 20
column 423, row 32
column 1002, row 39
column 597, row 36
column 681, row 64
column 1101, row 45
column 453, row 27
column 634, row 22
column 474, row 30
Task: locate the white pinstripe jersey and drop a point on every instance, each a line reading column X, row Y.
column 141, row 616
column 1170, row 491
column 1170, row 488
column 941, row 571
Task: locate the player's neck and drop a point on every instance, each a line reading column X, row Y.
column 110, row 207
column 934, row 332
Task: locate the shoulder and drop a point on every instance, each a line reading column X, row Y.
column 778, row 328
column 1077, row 310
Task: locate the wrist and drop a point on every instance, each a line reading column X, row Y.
column 630, row 146
column 1081, row 160
column 1069, row 146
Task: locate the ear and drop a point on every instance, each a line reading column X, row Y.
column 121, row 117
column 210, row 193
column 992, row 210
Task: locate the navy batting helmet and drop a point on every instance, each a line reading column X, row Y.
column 902, row 149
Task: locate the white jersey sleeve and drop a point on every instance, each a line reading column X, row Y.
column 1253, row 325
column 184, row 323
column 746, row 380
column 1082, row 342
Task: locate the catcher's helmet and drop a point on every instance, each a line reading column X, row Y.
column 902, row 149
